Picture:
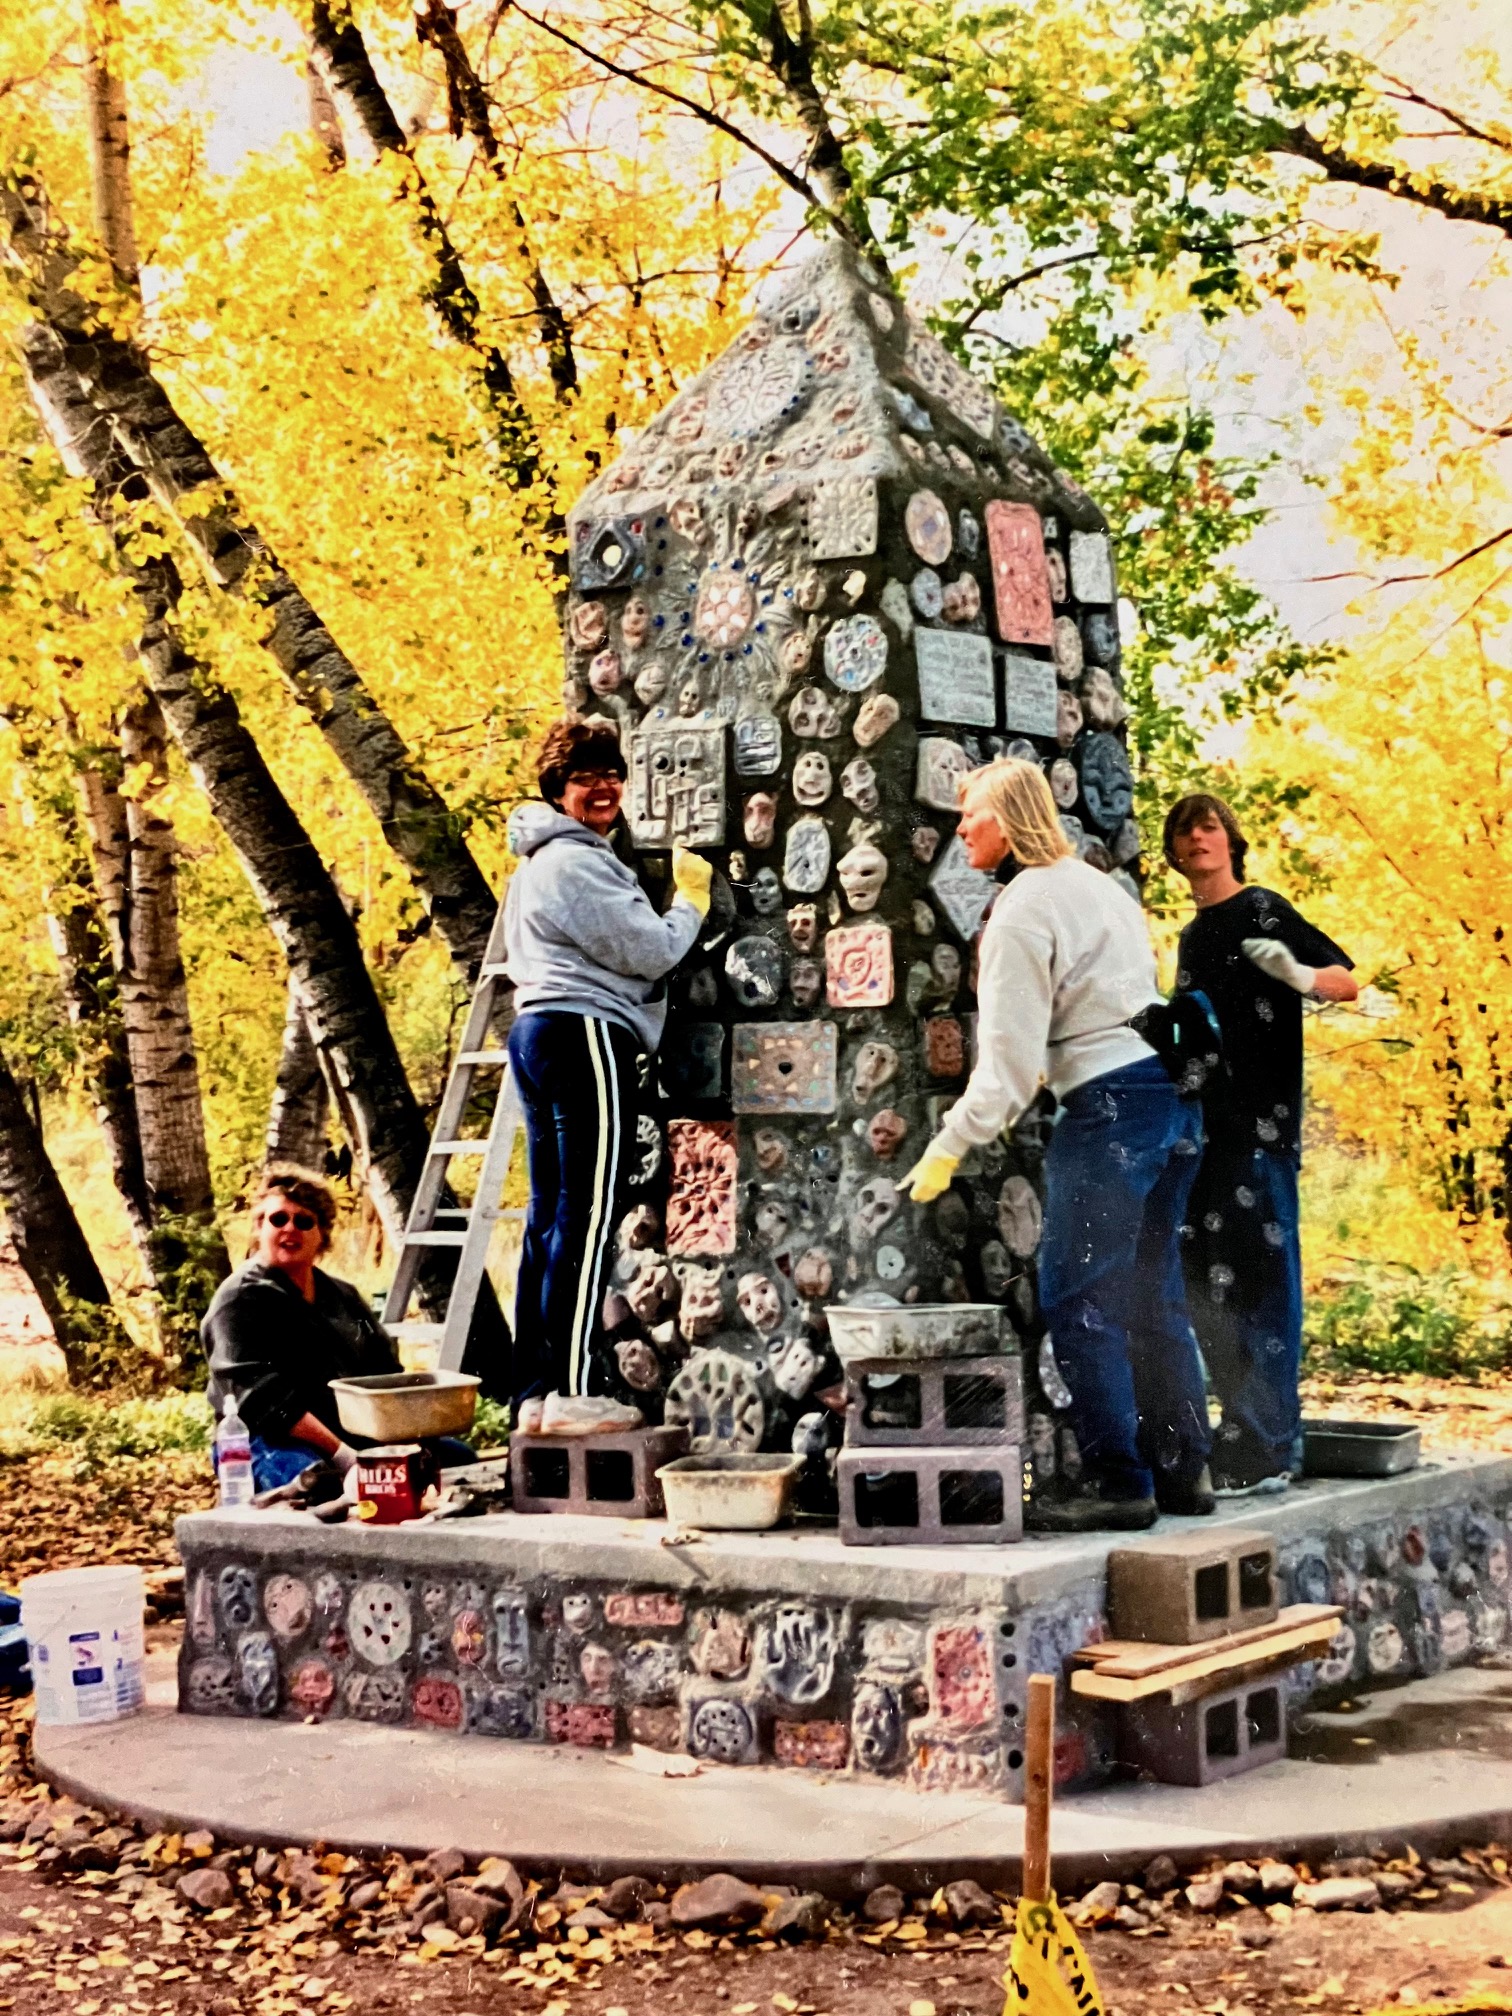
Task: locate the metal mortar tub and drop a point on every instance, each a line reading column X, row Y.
column 406, row 1406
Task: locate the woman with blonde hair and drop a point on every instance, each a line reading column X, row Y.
column 1065, row 962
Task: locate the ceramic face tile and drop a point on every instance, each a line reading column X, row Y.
column 955, row 678
column 1107, row 785
column 964, row 893
column 942, row 765
column 1029, row 695
column 783, row 1067
column 859, row 966
column 1021, row 584
column 701, row 1200
column 677, row 784
column 843, row 518
column 1091, row 567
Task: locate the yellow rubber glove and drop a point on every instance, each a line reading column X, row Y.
column 691, row 877
column 930, row 1176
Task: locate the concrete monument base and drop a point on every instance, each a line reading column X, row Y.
column 899, row 1670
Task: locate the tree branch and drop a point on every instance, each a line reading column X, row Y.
column 704, row 113
column 1340, row 166
column 1471, row 131
column 436, row 25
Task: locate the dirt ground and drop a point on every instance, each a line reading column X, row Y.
column 73, row 1946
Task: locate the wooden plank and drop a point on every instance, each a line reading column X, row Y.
column 1129, row 1659
column 1286, row 1648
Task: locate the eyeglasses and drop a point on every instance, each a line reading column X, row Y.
column 590, row 777
column 300, row 1220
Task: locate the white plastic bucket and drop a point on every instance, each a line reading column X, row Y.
column 84, row 1633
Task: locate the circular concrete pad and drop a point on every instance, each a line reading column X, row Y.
column 1429, row 1763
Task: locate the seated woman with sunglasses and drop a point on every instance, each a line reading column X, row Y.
column 281, row 1329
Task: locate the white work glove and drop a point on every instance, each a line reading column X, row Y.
column 1272, row 957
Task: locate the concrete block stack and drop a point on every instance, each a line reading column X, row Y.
column 934, row 1428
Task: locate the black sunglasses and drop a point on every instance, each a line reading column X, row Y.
column 300, row 1220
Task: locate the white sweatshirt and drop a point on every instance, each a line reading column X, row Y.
column 1065, row 960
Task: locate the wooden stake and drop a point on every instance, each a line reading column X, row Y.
column 1039, row 1778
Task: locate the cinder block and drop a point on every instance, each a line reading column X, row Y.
column 907, row 1497
column 1188, row 1590
column 934, row 1403
column 1202, row 1741
column 610, row 1474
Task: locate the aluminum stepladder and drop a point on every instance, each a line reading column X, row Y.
column 469, row 1228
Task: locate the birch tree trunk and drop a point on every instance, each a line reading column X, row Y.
column 154, row 990
column 81, row 940
column 110, row 140
column 295, row 891
column 301, row 1107
column 49, row 1240
column 132, row 409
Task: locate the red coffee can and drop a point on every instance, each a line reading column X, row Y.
column 392, row 1482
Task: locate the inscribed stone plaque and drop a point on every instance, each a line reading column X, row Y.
column 1029, row 695
column 677, row 784
column 843, row 518
column 1091, row 567
column 961, row 891
column 701, row 1200
column 955, row 678
column 783, row 1067
column 942, row 765
column 859, row 966
column 1020, row 581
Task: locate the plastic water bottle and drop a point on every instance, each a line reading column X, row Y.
column 233, row 1458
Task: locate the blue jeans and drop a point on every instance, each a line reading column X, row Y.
column 1120, row 1167
column 578, row 1084
column 1244, row 1282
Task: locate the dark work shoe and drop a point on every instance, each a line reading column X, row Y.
column 1186, row 1498
column 1087, row 1512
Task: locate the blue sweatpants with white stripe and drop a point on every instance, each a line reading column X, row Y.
column 576, row 1076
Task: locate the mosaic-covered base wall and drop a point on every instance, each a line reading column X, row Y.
column 283, row 1625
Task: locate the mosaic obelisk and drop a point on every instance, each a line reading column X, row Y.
column 830, row 578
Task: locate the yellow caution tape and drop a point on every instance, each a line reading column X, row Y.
column 1048, row 1973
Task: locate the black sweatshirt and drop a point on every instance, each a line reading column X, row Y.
column 277, row 1353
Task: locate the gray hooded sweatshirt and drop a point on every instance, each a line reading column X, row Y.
column 581, row 936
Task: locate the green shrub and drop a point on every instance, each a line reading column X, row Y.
column 1394, row 1319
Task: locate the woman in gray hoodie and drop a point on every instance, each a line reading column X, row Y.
column 589, row 955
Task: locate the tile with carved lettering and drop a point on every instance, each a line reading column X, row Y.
column 783, row 1067
column 650, row 1606
column 1091, row 567
column 701, row 1200
column 842, row 518
column 1021, row 584
column 1030, row 702
column 859, row 966
column 955, row 678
